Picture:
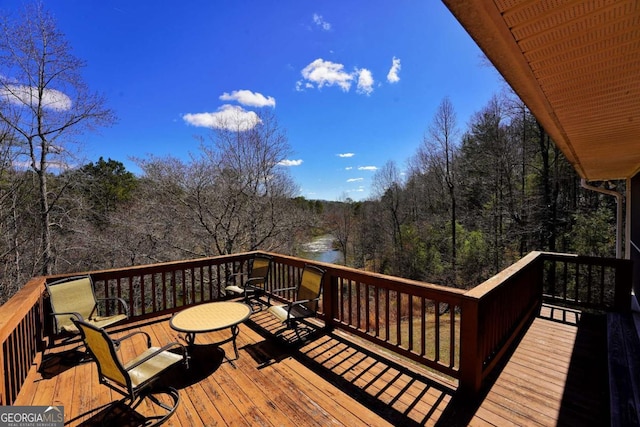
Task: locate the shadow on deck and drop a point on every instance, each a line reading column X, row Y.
column 557, row 375
column 399, row 391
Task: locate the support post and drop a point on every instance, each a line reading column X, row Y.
column 470, row 358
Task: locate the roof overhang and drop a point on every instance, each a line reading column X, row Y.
column 576, row 65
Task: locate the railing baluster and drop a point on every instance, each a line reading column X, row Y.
column 602, row 271
column 358, row 306
column 398, row 318
column 589, row 280
column 154, row 298
column 341, row 285
column 142, row 295
column 349, row 302
column 410, row 322
column 423, row 326
column 576, row 297
column 436, row 330
column 452, row 337
column 377, row 308
column 565, row 280
column 387, row 313
column 367, row 308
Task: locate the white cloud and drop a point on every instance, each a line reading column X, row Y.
column 57, row 165
column 365, row 81
column 346, row 154
column 320, row 22
column 393, row 77
column 248, row 98
column 301, row 86
column 357, row 190
column 290, row 162
column 326, row 73
column 26, row 95
column 228, row 117
column 367, row 168
column 355, row 179
column 348, row 168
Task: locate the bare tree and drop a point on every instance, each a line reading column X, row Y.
column 341, row 220
column 388, row 188
column 236, row 194
column 12, row 194
column 251, row 190
column 438, row 154
column 44, row 102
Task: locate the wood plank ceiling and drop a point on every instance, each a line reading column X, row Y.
column 576, row 64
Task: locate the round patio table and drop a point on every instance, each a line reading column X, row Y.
column 209, row 317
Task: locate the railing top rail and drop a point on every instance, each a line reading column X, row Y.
column 378, row 279
column 502, row 277
column 584, row 259
column 158, row 267
column 12, row 312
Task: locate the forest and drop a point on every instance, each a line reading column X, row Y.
column 502, row 182
column 471, row 200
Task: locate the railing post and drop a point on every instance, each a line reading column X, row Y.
column 470, row 357
column 624, row 282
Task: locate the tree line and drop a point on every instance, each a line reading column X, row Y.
column 468, row 203
column 472, row 201
column 59, row 215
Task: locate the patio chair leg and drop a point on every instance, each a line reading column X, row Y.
column 133, row 403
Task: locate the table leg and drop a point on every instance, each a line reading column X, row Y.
column 234, row 333
column 190, row 338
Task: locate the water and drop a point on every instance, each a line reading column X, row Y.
column 320, row 249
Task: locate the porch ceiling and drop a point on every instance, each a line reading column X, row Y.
column 576, row 64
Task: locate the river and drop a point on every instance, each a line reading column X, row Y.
column 321, row 249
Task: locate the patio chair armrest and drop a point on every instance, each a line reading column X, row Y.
column 293, row 288
column 299, row 302
column 175, row 344
column 118, row 340
column 68, row 313
column 253, row 279
column 275, row 291
column 233, row 276
column 120, row 300
column 303, row 301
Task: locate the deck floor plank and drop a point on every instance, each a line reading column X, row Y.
column 555, row 376
column 404, row 393
column 335, row 380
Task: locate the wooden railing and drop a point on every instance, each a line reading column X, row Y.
column 496, row 312
column 461, row 334
column 417, row 320
column 493, row 314
column 162, row 288
column 25, row 323
column 587, row 282
column 20, row 335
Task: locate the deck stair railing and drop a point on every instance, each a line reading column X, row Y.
column 462, row 334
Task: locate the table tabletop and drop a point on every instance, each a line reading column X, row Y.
column 210, row 316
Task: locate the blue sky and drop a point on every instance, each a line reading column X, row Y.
column 353, row 83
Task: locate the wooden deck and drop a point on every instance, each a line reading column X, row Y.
column 556, row 376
